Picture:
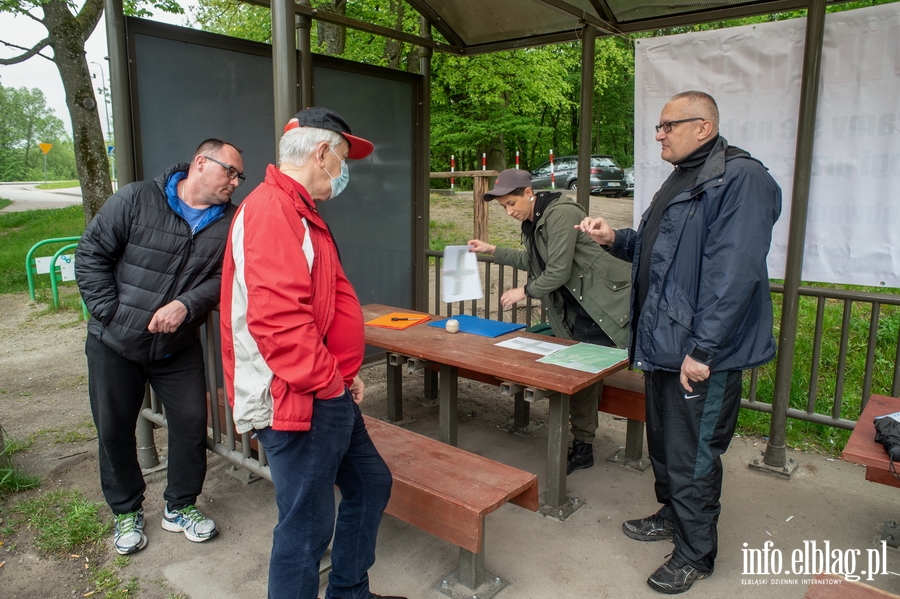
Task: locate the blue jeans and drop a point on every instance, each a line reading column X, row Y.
column 306, row 466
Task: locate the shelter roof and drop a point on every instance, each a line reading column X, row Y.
column 481, row 26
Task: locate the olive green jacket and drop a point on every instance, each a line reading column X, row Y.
column 600, row 283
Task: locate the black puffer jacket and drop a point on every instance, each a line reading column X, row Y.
column 137, row 255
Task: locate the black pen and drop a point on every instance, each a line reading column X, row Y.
column 395, row 318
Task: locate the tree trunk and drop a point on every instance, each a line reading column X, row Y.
column 67, row 36
column 333, row 37
column 393, row 49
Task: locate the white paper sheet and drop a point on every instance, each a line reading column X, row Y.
column 532, row 346
column 460, row 278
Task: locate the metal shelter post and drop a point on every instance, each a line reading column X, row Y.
column 114, row 17
column 284, row 65
column 420, row 231
column 809, row 96
column 585, row 145
column 304, row 24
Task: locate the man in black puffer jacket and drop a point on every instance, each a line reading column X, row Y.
column 149, row 268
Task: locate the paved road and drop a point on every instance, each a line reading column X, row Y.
column 26, row 196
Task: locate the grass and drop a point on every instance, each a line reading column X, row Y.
column 4, row 203
column 59, row 185
column 63, row 521
column 808, row 435
column 19, row 231
column 11, row 479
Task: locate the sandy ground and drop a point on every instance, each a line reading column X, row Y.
column 43, row 392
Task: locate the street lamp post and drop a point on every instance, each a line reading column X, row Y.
column 105, row 91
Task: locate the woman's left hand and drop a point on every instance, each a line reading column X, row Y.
column 512, row 296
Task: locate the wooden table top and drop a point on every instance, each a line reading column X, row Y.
column 477, row 353
column 862, row 448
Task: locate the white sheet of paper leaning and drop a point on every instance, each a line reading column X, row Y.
column 533, row 346
column 460, row 279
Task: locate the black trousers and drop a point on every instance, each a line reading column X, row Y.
column 116, row 388
column 687, row 432
column 584, row 404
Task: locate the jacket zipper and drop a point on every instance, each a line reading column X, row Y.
column 185, row 256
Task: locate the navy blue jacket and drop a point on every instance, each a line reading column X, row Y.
column 708, row 294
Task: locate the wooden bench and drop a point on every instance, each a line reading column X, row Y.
column 447, row 492
column 836, row 587
column 623, row 395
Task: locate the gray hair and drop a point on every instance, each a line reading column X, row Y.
column 297, row 145
column 703, row 103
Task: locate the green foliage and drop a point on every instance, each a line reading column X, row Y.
column 59, row 185
column 21, row 230
column 26, row 121
column 62, row 520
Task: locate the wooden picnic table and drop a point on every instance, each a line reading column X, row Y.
column 477, row 357
column 861, row 447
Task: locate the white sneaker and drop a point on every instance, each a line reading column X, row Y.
column 129, row 536
column 189, row 520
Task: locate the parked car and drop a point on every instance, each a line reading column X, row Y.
column 629, row 180
column 607, row 177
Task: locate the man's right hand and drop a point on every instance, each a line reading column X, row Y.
column 598, row 229
column 481, row 247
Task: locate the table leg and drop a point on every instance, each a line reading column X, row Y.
column 431, row 384
column 521, row 411
column 556, row 450
column 394, row 389
column 448, row 397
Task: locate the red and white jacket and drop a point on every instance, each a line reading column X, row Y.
column 291, row 324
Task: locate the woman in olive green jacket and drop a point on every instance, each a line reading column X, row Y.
column 586, row 291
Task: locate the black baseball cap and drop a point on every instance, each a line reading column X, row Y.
column 509, row 180
column 322, row 118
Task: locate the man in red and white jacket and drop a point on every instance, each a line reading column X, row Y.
column 292, row 346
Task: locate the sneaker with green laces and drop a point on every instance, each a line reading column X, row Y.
column 189, row 520
column 129, row 536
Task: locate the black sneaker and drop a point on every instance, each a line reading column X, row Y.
column 374, row 596
column 581, row 456
column 651, row 528
column 675, row 576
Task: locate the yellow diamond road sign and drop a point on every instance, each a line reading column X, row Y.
column 45, row 147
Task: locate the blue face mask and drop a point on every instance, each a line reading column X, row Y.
column 339, row 183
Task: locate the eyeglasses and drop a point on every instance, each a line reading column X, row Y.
column 667, row 126
column 230, row 171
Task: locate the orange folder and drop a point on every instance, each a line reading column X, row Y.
column 397, row 320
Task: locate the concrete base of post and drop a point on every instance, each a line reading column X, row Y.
column 787, row 471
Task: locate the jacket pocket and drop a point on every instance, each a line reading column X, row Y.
column 679, row 307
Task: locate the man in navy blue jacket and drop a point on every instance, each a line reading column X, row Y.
column 701, row 313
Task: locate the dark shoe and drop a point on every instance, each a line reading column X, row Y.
column 651, row 528
column 374, row 596
column 580, row 456
column 675, row 576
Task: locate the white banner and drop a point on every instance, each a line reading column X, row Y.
column 753, row 72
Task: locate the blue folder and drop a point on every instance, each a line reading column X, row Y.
column 480, row 326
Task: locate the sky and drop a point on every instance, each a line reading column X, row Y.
column 37, row 72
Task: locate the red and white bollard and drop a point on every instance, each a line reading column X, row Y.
column 552, row 172
column 452, row 169
column 484, row 162
column 517, row 160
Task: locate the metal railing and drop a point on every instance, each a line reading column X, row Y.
column 882, row 352
column 881, row 348
column 878, row 347
column 497, row 278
